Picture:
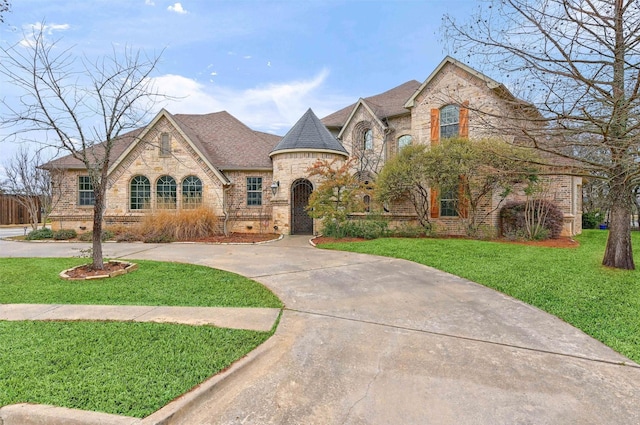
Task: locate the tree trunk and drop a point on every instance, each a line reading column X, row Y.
column 98, row 211
column 618, row 253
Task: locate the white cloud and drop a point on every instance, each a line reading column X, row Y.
column 149, row 2
column 246, row 57
column 273, row 107
column 30, row 30
column 177, row 8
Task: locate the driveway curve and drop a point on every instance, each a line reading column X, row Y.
column 373, row 340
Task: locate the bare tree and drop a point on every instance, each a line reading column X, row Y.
column 35, row 188
column 4, row 7
column 78, row 105
column 578, row 63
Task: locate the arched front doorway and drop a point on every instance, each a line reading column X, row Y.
column 301, row 223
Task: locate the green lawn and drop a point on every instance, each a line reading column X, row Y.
column 36, row 281
column 569, row 283
column 130, row 369
column 126, row 368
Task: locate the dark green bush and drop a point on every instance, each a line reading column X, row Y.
column 368, row 228
column 88, row 236
column 513, row 223
column 40, row 234
column 592, row 219
column 64, row 234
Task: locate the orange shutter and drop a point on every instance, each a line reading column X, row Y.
column 464, row 119
column 435, row 126
column 435, row 203
column 463, row 202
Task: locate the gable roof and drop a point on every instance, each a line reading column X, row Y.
column 362, row 104
column 309, row 134
column 383, row 105
column 223, row 142
column 490, row 82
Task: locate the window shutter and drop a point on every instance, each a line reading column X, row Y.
column 435, row 126
column 463, row 202
column 464, row 119
column 435, row 203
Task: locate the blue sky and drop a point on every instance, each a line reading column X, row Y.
column 265, row 62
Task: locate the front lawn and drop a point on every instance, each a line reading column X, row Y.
column 569, row 283
column 36, row 281
column 130, row 369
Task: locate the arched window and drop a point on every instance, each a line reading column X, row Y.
column 449, row 121
column 166, row 193
column 403, row 141
column 367, row 203
column 367, row 140
column 191, row 192
column 140, row 193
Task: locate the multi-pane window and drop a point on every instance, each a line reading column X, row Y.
column 449, row 121
column 166, row 196
column 367, row 140
column 140, row 193
column 254, row 190
column 85, row 191
column 165, row 144
column 449, row 204
column 191, row 192
column 404, row 141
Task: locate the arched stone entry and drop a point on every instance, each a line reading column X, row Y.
column 301, row 223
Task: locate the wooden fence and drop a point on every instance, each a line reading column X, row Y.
column 11, row 212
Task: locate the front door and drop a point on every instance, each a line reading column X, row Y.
column 301, row 223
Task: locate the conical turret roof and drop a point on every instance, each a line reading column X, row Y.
column 309, row 134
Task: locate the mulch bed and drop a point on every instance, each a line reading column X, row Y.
column 88, row 270
column 563, row 242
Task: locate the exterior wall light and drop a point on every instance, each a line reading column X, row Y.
column 274, row 187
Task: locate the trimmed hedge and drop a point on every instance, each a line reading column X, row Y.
column 45, row 233
column 64, row 234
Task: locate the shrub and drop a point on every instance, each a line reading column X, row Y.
column 183, row 225
column 44, row 233
column 369, row 228
column 64, row 234
column 592, row 219
column 513, row 220
column 411, row 231
column 88, row 236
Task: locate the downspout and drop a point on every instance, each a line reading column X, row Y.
column 225, row 209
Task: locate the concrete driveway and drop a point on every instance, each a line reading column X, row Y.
column 371, row 340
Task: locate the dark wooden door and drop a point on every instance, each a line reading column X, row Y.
column 301, row 223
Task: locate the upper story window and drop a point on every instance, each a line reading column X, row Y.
column 403, row 141
column 449, row 121
column 85, row 191
column 140, row 193
column 165, row 144
column 367, row 140
column 166, row 197
column 191, row 192
column 254, row 191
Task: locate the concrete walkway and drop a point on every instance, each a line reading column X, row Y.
column 258, row 319
column 371, row 340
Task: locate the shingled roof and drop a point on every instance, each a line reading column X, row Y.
column 387, row 104
column 309, row 134
column 225, row 142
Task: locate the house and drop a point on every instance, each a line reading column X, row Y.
column 260, row 180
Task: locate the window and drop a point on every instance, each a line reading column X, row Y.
column 191, row 192
column 165, row 144
column 449, row 121
column 166, row 193
column 404, row 141
column 367, row 203
column 449, row 204
column 140, row 193
column 254, row 190
column 367, row 140
column 85, row 191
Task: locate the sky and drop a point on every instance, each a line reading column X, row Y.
column 265, row 62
